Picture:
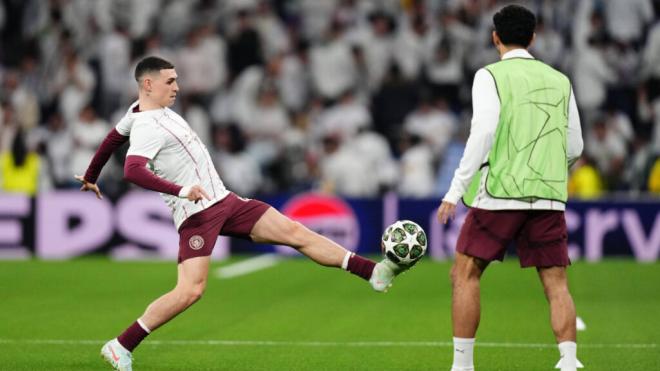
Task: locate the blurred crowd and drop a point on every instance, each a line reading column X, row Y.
column 352, row 97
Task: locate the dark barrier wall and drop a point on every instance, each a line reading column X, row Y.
column 67, row 224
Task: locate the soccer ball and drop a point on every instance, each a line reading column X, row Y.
column 404, row 242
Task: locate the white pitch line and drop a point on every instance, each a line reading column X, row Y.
column 348, row 344
column 248, row 266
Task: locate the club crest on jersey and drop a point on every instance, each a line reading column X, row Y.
column 196, row 242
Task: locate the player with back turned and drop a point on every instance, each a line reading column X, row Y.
column 513, row 175
column 166, row 156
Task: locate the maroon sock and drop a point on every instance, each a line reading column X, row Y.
column 132, row 336
column 360, row 266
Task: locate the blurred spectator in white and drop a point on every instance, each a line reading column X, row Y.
column 414, row 45
column 265, row 126
column 374, row 149
column 88, row 132
column 444, row 72
column 361, row 88
column 30, row 72
column 142, row 15
column 23, row 101
column 59, row 149
column 174, row 20
column 295, row 82
column 588, row 24
column 114, row 56
column 649, row 112
column 451, row 158
column 8, row 126
column 590, row 78
column 200, row 63
column 332, row 66
column 619, row 123
column 344, row 171
column 315, row 16
column 433, row 122
column 460, row 35
column 197, row 117
column 238, row 104
column 74, row 84
column 416, row 175
column 607, row 148
column 376, row 42
column 346, row 118
column 239, row 170
column 271, row 30
column 626, row 20
column 548, row 45
column 638, row 165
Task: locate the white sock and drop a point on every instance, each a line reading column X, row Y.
column 463, row 354
column 344, row 263
column 568, row 350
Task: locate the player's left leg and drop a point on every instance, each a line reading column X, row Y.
column 562, row 314
column 275, row 228
column 543, row 243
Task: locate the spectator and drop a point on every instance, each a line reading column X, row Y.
column 238, row 169
column 88, row 132
column 585, row 181
column 19, row 168
column 331, row 63
column 415, row 168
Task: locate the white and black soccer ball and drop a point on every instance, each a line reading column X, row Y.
column 404, row 242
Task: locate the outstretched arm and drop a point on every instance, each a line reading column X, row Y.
column 110, row 144
column 135, row 171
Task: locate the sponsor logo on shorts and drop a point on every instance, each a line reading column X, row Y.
column 196, row 242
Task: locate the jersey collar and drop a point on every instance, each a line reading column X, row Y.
column 517, row 53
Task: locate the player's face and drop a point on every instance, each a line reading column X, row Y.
column 164, row 87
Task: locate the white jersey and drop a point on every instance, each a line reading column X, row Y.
column 175, row 154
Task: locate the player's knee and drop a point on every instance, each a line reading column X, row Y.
column 192, row 293
column 555, row 291
column 462, row 274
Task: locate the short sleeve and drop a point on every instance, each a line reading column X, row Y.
column 145, row 141
column 124, row 126
column 126, row 123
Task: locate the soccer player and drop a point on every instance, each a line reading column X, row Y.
column 166, row 156
column 513, row 175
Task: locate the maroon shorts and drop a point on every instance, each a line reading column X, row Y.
column 233, row 216
column 541, row 236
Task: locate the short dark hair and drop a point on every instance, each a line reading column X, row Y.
column 151, row 64
column 515, row 25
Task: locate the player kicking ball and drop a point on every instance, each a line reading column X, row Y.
column 166, row 156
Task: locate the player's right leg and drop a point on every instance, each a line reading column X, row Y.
column 274, row 228
column 465, row 308
column 191, row 282
column 483, row 238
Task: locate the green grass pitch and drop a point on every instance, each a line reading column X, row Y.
column 300, row 316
